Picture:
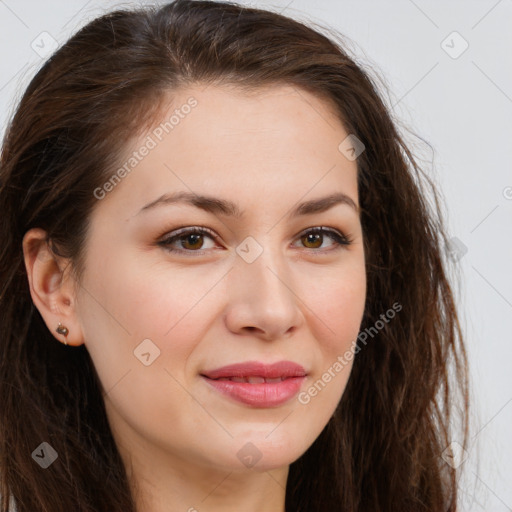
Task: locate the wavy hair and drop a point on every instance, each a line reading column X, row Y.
column 382, row 449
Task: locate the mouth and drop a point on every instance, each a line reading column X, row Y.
column 257, row 384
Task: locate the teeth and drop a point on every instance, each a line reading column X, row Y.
column 253, row 380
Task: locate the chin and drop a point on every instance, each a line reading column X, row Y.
column 264, row 452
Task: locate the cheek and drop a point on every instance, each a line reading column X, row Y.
column 153, row 299
column 338, row 304
column 160, row 306
column 125, row 303
column 344, row 307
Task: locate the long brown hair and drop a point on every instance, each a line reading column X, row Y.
column 382, row 449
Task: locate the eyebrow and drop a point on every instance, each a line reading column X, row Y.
column 225, row 207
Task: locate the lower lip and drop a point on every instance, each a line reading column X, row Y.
column 259, row 395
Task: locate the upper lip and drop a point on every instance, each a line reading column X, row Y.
column 258, row 369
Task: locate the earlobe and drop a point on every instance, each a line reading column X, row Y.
column 51, row 288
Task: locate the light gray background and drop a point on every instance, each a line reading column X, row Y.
column 461, row 106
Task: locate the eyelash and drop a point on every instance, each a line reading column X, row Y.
column 340, row 240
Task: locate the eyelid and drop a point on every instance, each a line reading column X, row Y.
column 190, row 229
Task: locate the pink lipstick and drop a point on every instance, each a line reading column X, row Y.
column 258, row 384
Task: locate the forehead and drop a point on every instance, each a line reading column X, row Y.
column 276, row 142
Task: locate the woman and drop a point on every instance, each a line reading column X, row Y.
column 222, row 285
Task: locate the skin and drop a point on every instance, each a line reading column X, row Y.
column 300, row 300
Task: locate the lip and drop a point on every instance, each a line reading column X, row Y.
column 258, row 394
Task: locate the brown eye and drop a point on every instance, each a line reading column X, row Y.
column 315, row 237
column 192, row 241
column 188, row 240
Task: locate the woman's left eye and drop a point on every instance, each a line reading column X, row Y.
column 191, row 239
column 315, row 235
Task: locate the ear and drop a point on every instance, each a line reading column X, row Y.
column 51, row 287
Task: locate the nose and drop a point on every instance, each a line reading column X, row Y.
column 263, row 301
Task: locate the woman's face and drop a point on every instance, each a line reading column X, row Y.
column 258, row 287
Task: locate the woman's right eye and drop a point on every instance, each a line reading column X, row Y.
column 190, row 239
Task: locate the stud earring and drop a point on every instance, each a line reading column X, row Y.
column 61, row 329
